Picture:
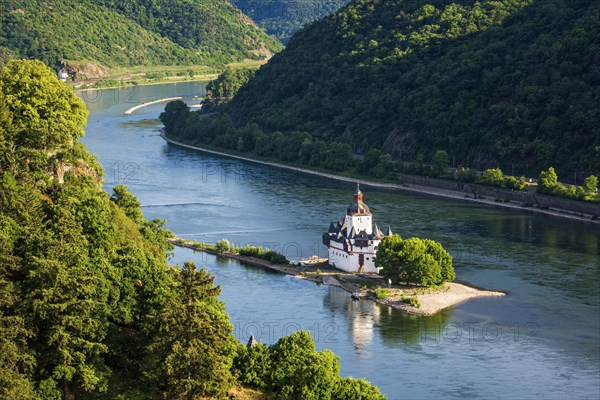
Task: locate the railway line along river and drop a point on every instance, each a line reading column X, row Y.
column 542, row 340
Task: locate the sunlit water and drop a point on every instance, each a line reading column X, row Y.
column 541, row 341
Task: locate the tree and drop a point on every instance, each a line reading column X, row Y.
column 442, row 257
column 493, row 177
column 252, row 366
column 370, row 160
column 388, row 256
column 548, row 181
column 441, row 161
column 299, row 371
column 16, row 360
column 47, row 113
column 128, row 203
column 42, row 117
column 422, row 262
column 193, row 351
column 590, row 184
column 175, row 115
column 222, row 246
column 356, row 389
column 340, row 156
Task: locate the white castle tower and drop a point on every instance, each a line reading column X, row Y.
column 352, row 245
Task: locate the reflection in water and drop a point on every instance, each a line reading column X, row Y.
column 395, row 326
column 362, row 316
column 366, row 316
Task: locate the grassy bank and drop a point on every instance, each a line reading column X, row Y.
column 155, row 75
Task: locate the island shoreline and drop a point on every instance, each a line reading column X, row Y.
column 430, row 301
column 427, row 190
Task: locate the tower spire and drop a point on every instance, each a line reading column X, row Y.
column 358, row 196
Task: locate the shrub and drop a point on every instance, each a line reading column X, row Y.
column 356, row 389
column 493, row 177
column 259, row 252
column 548, row 181
column 222, row 246
column 510, row 182
column 381, row 293
column 413, row 301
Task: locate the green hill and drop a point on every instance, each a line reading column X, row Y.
column 283, row 18
column 494, row 83
column 136, row 32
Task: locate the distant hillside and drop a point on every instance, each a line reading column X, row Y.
column 136, row 32
column 512, row 83
column 283, row 18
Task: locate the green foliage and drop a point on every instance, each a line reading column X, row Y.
column 421, row 262
column 381, row 293
column 128, row 203
column 299, row 371
column 192, row 352
column 85, row 292
column 226, row 86
column 441, row 161
column 252, row 366
column 293, row 369
column 548, row 184
column 356, row 389
column 487, row 81
column 492, row 177
column 463, row 174
column 548, row 181
column 284, row 17
column 590, row 184
column 222, row 246
column 86, row 295
column 413, row 301
column 137, row 32
column 259, row 252
column 42, row 118
column 520, row 184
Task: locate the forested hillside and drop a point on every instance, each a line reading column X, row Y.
column 127, row 33
column 511, row 83
column 89, row 307
column 283, row 18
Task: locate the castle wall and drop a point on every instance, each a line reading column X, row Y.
column 349, row 262
column 360, row 223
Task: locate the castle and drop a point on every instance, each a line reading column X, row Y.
column 352, row 245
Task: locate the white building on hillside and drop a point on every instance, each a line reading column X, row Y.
column 352, row 244
column 63, row 75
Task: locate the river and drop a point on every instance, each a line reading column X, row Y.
column 542, row 340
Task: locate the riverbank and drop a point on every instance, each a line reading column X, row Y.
column 124, row 77
column 409, row 299
column 392, row 186
column 127, row 85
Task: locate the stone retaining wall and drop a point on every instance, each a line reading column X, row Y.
column 524, row 197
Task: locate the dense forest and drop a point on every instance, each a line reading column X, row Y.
column 136, row 32
column 283, row 18
column 89, row 307
column 512, row 84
